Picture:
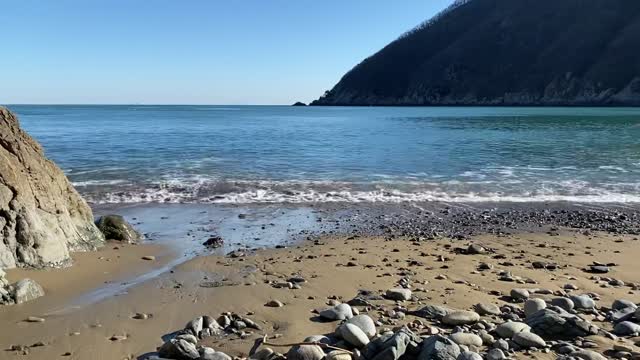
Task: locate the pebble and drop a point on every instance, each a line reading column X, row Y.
column 563, row 303
column 35, row 319
column 274, row 303
column 354, row 335
column 398, row 294
column 583, row 302
column 466, row 339
column 626, row 328
column 487, row 309
column 510, row 328
column 519, row 294
column 338, row 312
column 495, row 354
column 588, row 355
column 461, row 317
column 528, row 339
column 365, row 323
column 469, row 355
column 305, row 352
column 531, row 306
column 148, row 257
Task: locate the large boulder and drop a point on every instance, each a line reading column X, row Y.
column 554, row 322
column 27, row 290
column 115, row 227
column 42, row 217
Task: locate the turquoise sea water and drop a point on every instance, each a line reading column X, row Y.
column 256, row 154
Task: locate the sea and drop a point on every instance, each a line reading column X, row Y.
column 132, row 154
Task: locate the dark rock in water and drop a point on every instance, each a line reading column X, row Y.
column 115, row 227
column 43, row 218
column 554, row 322
column 499, row 53
column 214, row 242
column 298, row 103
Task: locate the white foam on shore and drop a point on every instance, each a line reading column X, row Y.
column 377, row 196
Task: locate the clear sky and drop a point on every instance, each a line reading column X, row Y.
column 191, row 51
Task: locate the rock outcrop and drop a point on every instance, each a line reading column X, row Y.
column 506, row 52
column 114, row 227
column 42, row 217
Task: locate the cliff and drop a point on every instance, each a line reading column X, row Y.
column 506, row 52
column 42, row 217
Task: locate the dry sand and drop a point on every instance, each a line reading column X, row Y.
column 174, row 298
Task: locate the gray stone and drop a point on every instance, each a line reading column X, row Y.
column 519, row 294
column 338, row 355
column 461, row 317
column 398, row 294
column 338, row 312
column 392, row 346
column 564, row 303
column 43, row 216
column 115, row 227
column 27, row 290
column 432, row 312
column 528, row 339
column 622, row 314
column 588, row 355
column 318, row 339
column 211, row 354
column 583, row 302
column 487, row 309
column 495, row 354
column 438, row 347
column 532, row 306
column 626, row 328
column 466, row 339
column 188, row 337
column 365, row 323
column 305, row 352
column 623, row 304
column 599, row 269
column 510, row 328
column 354, row 335
column 195, row 326
column 501, row 344
column 469, row 355
column 274, row 303
column 179, row 349
column 555, row 322
column 475, row 249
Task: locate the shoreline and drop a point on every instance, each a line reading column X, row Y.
column 210, row 285
column 338, row 250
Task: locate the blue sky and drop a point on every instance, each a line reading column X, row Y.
column 191, row 51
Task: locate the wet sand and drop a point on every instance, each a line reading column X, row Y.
column 211, row 285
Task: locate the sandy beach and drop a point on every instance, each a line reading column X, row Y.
column 334, row 268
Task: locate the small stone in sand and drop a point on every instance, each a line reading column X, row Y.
column 35, row 319
column 148, row 257
column 274, row 303
column 398, row 294
column 140, row 316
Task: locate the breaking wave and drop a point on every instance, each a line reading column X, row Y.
column 299, row 192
